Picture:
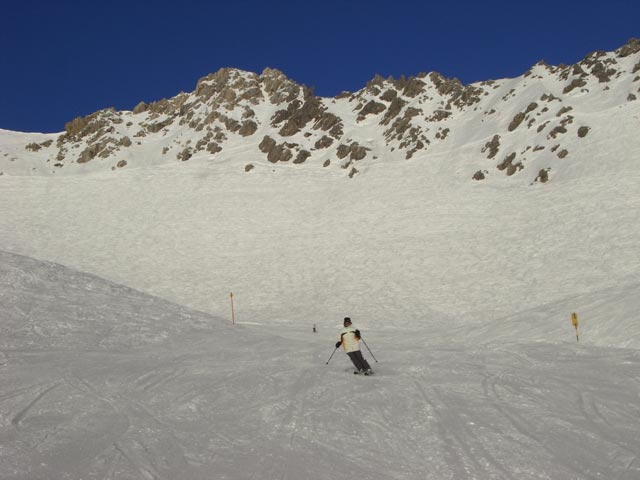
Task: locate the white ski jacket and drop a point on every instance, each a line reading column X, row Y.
column 349, row 340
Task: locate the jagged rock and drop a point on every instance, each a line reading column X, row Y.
column 440, row 115
column 354, row 171
column 342, row 151
column 493, row 146
column 412, row 112
column 227, row 88
column 582, row 131
column 121, row 164
column 399, row 127
column 631, row 97
column 543, row 176
column 397, row 104
column 90, row 153
column 389, row 95
column 517, row 120
column 248, row 113
column 285, row 114
column 413, row 87
column 125, row 142
column 549, row 97
column 557, row 131
column 140, row 108
column 563, row 153
column 312, row 108
column 81, row 127
column 575, row 83
column 248, row 167
column 442, row 134
column 228, row 96
column 331, row 123
column 203, row 142
column 279, row 88
column 358, row 152
column 34, row 147
column 267, row 144
column 460, row 96
column 302, row 156
column 326, row 163
column 632, row 46
column 354, row 151
column 213, row 148
column 375, row 84
column 563, row 110
column 156, row 127
column 418, row 146
column 508, row 164
column 161, row 107
column 185, row 155
column 479, row 175
column 248, row 128
column 602, row 73
column 279, row 153
column 371, row 108
column 324, row 142
column 232, row 124
column 542, row 126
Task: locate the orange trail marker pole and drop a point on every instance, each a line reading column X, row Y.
column 574, row 322
column 233, row 316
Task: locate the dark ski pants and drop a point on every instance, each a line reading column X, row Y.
column 358, row 360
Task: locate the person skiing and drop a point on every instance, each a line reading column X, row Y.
column 349, row 338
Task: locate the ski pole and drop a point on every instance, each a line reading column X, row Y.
column 332, row 355
column 365, row 344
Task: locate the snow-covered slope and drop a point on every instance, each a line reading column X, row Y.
column 551, row 122
column 399, row 247
column 102, row 382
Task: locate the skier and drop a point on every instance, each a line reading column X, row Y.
column 349, row 338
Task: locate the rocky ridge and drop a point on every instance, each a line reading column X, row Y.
column 514, row 126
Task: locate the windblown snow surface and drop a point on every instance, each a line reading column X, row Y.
column 118, row 359
column 463, row 294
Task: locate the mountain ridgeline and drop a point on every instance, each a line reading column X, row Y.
column 523, row 127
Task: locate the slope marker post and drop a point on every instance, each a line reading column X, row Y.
column 574, row 322
column 233, row 316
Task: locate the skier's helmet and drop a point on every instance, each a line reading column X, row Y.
column 347, row 321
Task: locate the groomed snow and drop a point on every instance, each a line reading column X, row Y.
column 99, row 381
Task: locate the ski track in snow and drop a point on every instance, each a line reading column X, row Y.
column 258, row 402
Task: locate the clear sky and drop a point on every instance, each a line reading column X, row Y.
column 63, row 59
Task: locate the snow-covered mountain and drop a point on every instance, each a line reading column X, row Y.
column 459, row 226
column 549, row 121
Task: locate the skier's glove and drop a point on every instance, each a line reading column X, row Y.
column 338, row 344
column 357, row 332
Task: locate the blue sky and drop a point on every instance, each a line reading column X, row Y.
column 64, row 59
